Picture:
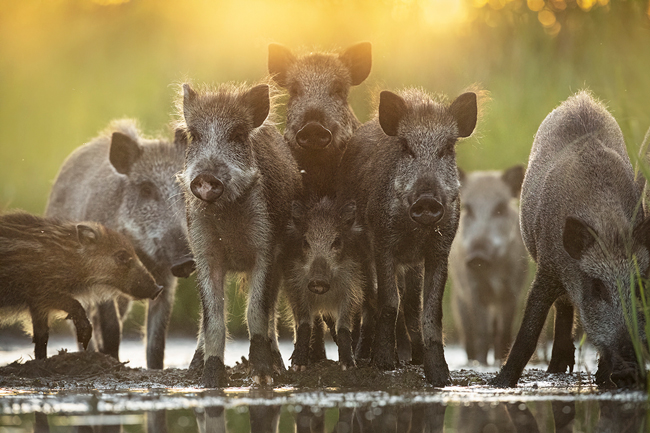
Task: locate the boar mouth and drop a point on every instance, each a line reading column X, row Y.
column 159, row 290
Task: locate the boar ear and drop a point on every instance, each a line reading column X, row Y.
column 514, row 177
column 358, row 59
column 577, row 237
column 391, row 111
column 297, row 211
column 349, row 213
column 124, row 152
column 280, row 58
column 86, row 234
column 189, row 96
column 465, row 111
column 259, row 103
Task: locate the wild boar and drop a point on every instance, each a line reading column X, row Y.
column 239, row 180
column 488, row 262
column 49, row 266
column 582, row 223
column 128, row 183
column 401, row 169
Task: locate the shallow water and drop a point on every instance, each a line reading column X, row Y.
column 541, row 402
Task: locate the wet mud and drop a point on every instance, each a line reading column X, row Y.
column 92, row 370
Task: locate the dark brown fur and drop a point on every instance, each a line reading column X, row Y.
column 48, row 265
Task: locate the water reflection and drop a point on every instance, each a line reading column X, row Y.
column 479, row 417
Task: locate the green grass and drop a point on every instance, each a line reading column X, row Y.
column 67, row 67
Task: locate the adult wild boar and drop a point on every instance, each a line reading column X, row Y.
column 49, row 266
column 320, row 120
column 488, row 262
column 239, row 180
column 128, row 183
column 401, row 169
column 582, row 223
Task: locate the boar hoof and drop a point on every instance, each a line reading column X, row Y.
column 436, row 370
column 214, row 373
column 501, row 381
column 261, row 359
column 84, row 332
column 262, row 380
column 278, row 363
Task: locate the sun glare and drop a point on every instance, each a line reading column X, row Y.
column 442, row 12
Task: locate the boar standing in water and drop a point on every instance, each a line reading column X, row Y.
column 319, row 125
column 401, row 169
column 239, row 181
column 49, row 266
column 488, row 262
column 128, row 183
column 582, row 223
column 322, row 273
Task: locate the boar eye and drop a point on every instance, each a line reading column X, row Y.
column 600, row 290
column 123, row 257
column 147, row 191
column 448, row 148
column 500, row 210
column 406, row 148
column 238, row 135
column 338, row 89
column 305, row 244
column 295, row 90
column 337, row 244
column 468, row 210
column 194, row 134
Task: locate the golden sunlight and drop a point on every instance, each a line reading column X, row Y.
column 443, row 12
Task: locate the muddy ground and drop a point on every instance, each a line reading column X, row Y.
column 92, row 370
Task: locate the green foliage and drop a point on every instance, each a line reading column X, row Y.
column 67, row 67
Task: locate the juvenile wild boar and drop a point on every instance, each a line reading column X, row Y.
column 128, row 183
column 319, row 119
column 322, row 273
column 49, row 266
column 239, row 180
column 401, row 168
column 488, row 262
column 581, row 223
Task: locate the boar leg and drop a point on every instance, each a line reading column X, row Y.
column 41, row 332
column 196, row 364
column 344, row 336
column 563, row 354
column 158, row 316
column 543, row 292
column 214, row 323
column 261, row 303
column 436, row 370
column 278, row 363
column 384, row 348
column 503, row 328
column 368, row 311
column 300, row 356
column 317, row 342
column 110, row 328
column 413, row 312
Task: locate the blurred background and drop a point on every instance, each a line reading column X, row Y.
column 67, row 67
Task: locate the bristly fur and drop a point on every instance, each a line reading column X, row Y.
column 46, row 261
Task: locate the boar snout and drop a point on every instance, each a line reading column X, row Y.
column 207, row 187
column 318, row 286
column 183, row 268
column 426, row 210
column 479, row 255
column 314, row 136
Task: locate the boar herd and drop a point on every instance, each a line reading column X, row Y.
column 354, row 224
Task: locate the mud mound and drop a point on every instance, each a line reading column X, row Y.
column 74, row 365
